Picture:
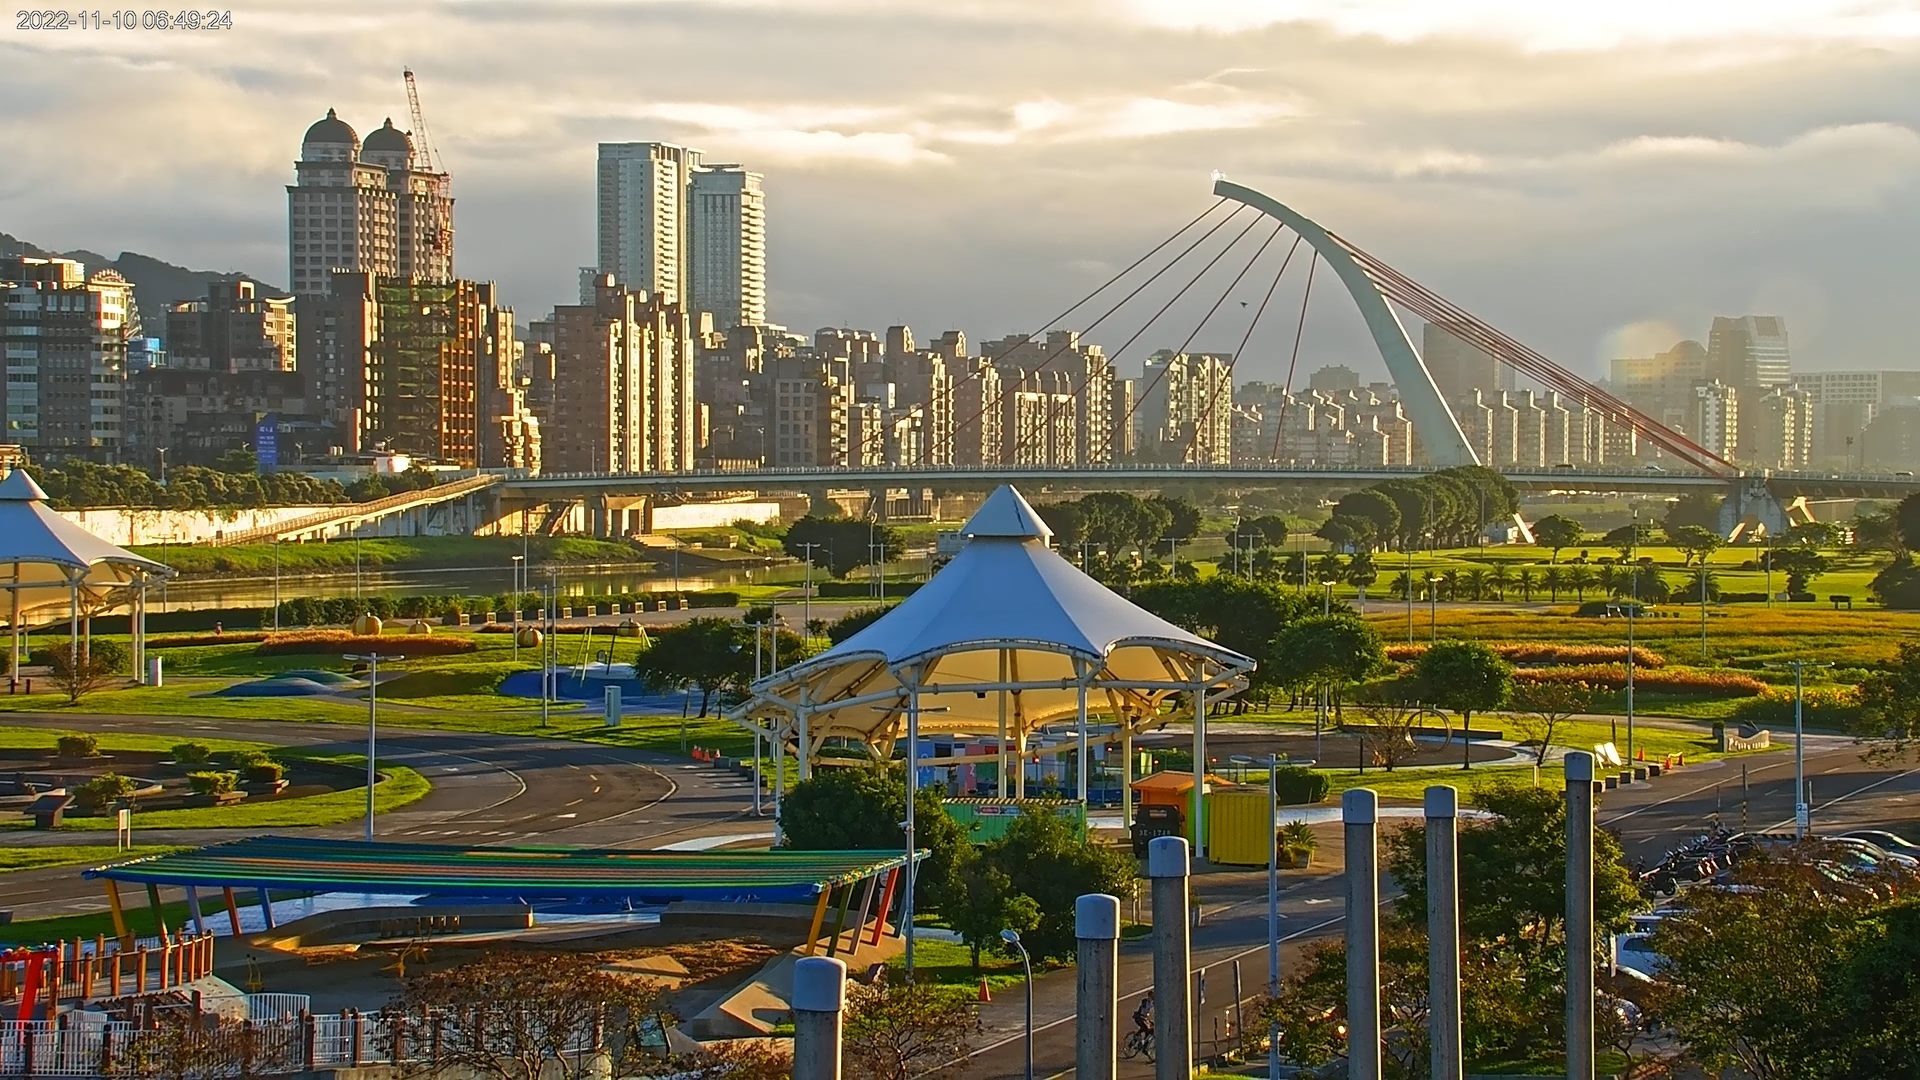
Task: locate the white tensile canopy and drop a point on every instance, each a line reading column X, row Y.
column 49, row 562
column 1007, row 638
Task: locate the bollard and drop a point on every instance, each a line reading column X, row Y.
column 1579, row 915
column 1168, row 867
column 819, row 996
column 1360, row 811
column 613, row 706
column 1443, row 932
column 1096, row 926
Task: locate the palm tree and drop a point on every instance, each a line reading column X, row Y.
column 1401, row 586
column 1474, row 583
column 1500, row 577
column 1580, row 579
column 1525, row 581
column 1609, row 579
column 1553, row 579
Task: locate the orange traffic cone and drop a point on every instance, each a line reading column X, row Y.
column 1640, row 754
column 986, row 997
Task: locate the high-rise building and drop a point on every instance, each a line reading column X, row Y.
column 619, row 395
column 64, row 338
column 1068, row 365
column 198, row 414
column 1749, row 352
column 1185, row 411
column 727, row 246
column 1716, row 417
column 1845, row 402
column 1334, row 377
column 925, row 383
column 1037, row 420
column 233, row 329
column 394, row 364
column 1783, row 428
column 977, row 435
column 812, row 418
column 643, row 212
column 370, row 207
column 1460, row 367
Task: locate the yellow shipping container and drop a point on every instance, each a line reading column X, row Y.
column 1239, row 830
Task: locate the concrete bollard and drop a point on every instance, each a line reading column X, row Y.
column 1360, row 812
column 1096, row 926
column 1443, row 932
column 1168, row 867
column 819, row 997
column 613, row 706
column 1579, row 915
column 156, row 674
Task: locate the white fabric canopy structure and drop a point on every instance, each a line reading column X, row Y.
column 1007, row 638
column 49, row 562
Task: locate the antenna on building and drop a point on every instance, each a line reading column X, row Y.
column 440, row 230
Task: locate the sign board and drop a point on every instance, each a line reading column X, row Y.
column 266, row 442
column 123, row 829
column 1801, row 816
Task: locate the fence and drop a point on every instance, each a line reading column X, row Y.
column 102, row 968
column 267, row 1043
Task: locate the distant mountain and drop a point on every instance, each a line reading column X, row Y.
column 156, row 283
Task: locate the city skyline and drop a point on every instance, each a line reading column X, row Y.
column 1600, row 187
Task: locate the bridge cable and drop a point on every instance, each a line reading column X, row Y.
column 1435, row 308
column 1174, row 299
column 1161, row 375
column 1293, row 362
column 988, row 407
column 1049, row 324
column 1226, row 389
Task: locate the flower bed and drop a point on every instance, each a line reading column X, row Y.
column 335, row 642
column 1667, row 680
column 1546, row 652
column 191, row 641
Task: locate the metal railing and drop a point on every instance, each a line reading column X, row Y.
column 351, row 511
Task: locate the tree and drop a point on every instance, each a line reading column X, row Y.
column 1464, row 676
column 1260, row 530
column 1183, row 518
column 1066, row 521
column 1553, row 579
column 1119, row 522
column 1694, row 509
column 1628, row 537
column 1360, row 570
column 1242, row 615
column 1372, row 506
column 895, row 1031
column 1580, row 579
column 1802, row 565
column 1352, row 533
column 844, row 540
column 1498, row 578
column 857, row 808
column 1331, row 652
column 1879, row 530
column 1392, row 720
column 853, row 622
column 713, row 654
column 1694, row 542
column 1557, row 533
column 1046, row 859
column 1474, row 584
column 1907, row 517
column 182, row 1046
column 986, row 903
column 82, row 670
column 1541, row 707
column 524, row 1015
column 1526, row 581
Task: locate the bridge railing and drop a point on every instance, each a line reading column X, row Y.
column 401, row 500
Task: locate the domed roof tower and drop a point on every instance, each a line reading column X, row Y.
column 389, row 146
column 330, row 139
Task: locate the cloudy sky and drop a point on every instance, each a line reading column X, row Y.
column 1594, row 183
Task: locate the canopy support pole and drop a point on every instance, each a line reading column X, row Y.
column 1080, row 760
column 779, row 780
column 913, row 789
column 1200, row 766
column 1000, row 748
column 14, row 624
column 119, row 914
column 73, row 626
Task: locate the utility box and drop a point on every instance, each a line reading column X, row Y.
column 986, row 820
column 1240, row 830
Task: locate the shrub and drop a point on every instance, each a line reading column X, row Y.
column 99, row 792
column 105, row 653
column 1835, row 707
column 264, row 771
column 77, row 746
column 1669, row 680
column 1545, row 652
column 324, row 642
column 191, row 753
column 853, row 622
column 194, row 641
column 1300, row 786
column 211, row 783
column 1297, row 842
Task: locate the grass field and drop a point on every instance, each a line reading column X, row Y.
column 401, row 787
column 94, row 924
column 35, row 858
column 950, row 963
column 421, row 551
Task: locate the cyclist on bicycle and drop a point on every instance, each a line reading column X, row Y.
column 1143, row 1016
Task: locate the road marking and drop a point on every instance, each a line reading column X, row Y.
column 576, row 802
column 566, row 815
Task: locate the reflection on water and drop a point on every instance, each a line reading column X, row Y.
column 582, row 581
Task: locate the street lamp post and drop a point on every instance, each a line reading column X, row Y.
column 1433, row 607
column 276, row 584
column 878, row 553
column 1802, row 810
column 1633, row 581
column 807, row 592
column 372, row 660
column 1273, row 908
column 1012, row 937
column 519, row 563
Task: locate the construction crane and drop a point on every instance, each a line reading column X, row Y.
column 439, row 232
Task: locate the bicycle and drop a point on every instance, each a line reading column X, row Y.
column 1138, row 1042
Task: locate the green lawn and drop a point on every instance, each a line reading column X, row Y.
column 950, row 963
column 34, row 858
column 418, row 551
column 94, row 924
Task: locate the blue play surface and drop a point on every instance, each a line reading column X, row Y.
column 635, row 696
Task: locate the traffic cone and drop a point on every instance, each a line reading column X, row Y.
column 986, row 996
column 1640, row 754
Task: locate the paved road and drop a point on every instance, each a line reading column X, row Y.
column 486, row 790
column 1849, row 792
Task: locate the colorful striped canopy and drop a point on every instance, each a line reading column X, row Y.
column 521, row 873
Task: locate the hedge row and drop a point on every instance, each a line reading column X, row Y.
column 1667, row 680
column 1545, row 652
column 336, row 610
column 334, row 642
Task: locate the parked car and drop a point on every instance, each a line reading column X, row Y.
column 1633, row 954
column 1885, row 841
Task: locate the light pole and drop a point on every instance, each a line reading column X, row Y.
column 1633, row 583
column 276, row 584
column 356, row 566
column 1802, row 811
column 878, row 553
column 807, row 593
column 1012, row 937
column 372, row 660
column 519, row 562
column 1433, row 607
column 1703, row 610
column 1409, row 590
column 1273, row 908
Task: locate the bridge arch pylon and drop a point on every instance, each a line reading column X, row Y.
column 1439, row 430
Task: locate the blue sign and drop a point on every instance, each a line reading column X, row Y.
column 266, row 443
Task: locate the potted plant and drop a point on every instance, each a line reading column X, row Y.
column 1297, row 845
column 264, row 775
column 97, row 794
column 212, row 788
column 78, row 748
column 191, row 754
